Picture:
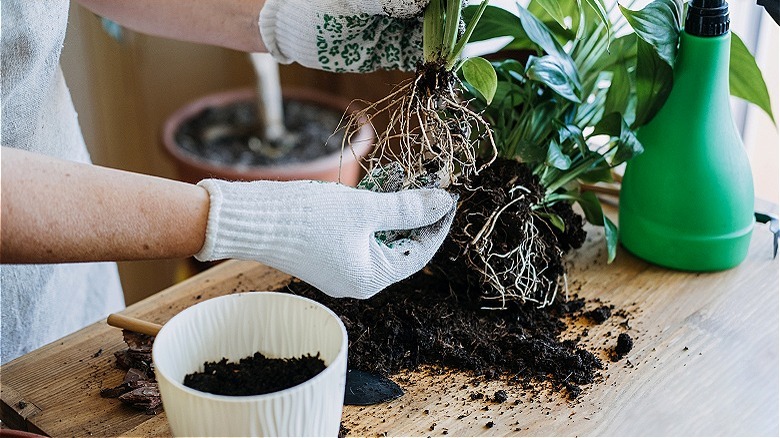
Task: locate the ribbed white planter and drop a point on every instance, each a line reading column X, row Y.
column 236, row 326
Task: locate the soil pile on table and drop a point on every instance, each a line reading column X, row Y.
column 254, row 375
column 421, row 321
column 230, row 135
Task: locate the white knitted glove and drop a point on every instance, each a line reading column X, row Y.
column 344, row 35
column 324, row 233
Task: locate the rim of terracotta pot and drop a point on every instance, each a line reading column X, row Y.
column 360, row 145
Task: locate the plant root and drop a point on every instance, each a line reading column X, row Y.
column 431, row 130
column 501, row 246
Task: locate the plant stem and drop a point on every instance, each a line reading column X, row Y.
column 458, row 48
column 433, row 33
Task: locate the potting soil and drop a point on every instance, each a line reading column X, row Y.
column 230, row 135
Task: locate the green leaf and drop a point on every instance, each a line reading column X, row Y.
column 745, row 78
column 591, row 207
column 479, row 72
column 628, row 145
column 601, row 12
column 541, row 36
column 653, row 83
column 562, row 32
column 619, row 91
column 554, row 219
column 495, row 22
column 556, row 158
column 611, row 124
column 553, row 7
column 549, row 71
column 573, row 133
column 622, row 52
column 457, row 49
column 615, row 126
column 659, row 25
column 599, row 174
column 611, row 235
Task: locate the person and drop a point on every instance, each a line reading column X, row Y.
column 65, row 221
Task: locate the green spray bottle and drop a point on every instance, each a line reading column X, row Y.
column 687, row 202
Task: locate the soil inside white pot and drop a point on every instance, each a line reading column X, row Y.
column 231, row 135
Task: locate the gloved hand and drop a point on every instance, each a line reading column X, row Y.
column 324, row 233
column 344, row 35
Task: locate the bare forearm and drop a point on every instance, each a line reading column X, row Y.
column 226, row 23
column 59, row 211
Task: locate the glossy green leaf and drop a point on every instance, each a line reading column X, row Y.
column 573, row 134
column 480, row 73
column 653, row 83
column 615, row 126
column 622, row 51
column 541, row 36
column 563, row 33
column 553, row 8
column 591, row 207
column 601, row 13
column 659, row 25
column 745, row 78
column 611, row 235
column 556, row 158
column 599, row 174
column 554, row 220
column 495, row 22
column 611, row 124
column 619, row 91
column 549, row 71
column 628, row 146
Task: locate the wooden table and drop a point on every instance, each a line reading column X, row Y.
column 705, row 362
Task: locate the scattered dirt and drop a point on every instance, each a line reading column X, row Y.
column 624, row 345
column 254, row 375
column 230, row 135
column 599, row 314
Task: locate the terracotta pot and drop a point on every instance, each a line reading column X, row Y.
column 333, row 167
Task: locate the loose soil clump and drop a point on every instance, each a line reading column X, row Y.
column 254, row 375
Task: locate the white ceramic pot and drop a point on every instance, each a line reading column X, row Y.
column 236, row 326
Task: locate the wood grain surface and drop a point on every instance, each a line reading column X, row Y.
column 704, row 362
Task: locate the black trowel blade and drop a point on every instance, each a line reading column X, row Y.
column 364, row 388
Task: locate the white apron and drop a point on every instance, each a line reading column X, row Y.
column 42, row 303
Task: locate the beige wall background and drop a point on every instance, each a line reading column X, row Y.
column 124, row 90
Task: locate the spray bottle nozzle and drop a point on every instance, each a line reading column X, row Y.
column 708, row 4
column 707, row 18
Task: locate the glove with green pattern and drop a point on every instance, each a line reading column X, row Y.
column 344, row 35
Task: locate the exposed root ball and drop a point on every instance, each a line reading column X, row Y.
column 501, row 245
column 431, row 130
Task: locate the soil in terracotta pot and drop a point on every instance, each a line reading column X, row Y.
column 230, row 135
column 254, row 375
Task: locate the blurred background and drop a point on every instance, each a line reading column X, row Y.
column 125, row 85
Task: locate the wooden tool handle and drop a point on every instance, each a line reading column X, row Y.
column 133, row 324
